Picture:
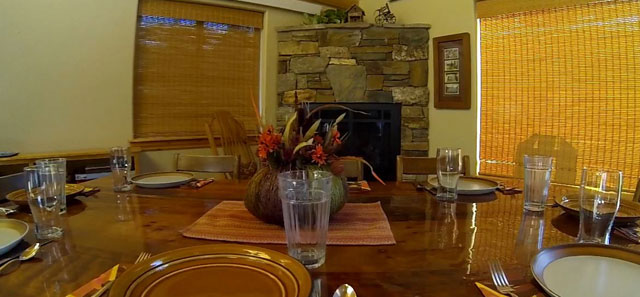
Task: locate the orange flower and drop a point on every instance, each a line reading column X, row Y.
column 318, row 139
column 336, row 137
column 318, row 155
column 268, row 142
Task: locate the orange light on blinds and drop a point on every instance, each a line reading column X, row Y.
column 185, row 69
column 563, row 82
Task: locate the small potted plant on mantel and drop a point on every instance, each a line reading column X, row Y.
column 299, row 146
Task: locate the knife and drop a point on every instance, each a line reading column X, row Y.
column 488, row 292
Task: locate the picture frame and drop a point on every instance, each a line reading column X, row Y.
column 452, row 71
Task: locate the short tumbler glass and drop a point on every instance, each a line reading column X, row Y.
column 448, row 168
column 537, row 178
column 43, row 194
column 120, row 169
column 61, row 177
column 306, row 201
column 599, row 202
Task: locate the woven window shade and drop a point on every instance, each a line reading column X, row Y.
column 489, row 8
column 200, row 12
column 188, row 64
column 563, row 82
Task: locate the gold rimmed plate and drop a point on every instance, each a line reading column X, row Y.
column 468, row 185
column 158, row 180
column 215, row 270
column 628, row 212
column 587, row 270
column 19, row 197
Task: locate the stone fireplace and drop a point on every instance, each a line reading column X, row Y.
column 358, row 62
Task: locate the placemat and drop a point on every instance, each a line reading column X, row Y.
column 355, row 224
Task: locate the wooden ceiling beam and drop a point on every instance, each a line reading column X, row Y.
column 343, row 4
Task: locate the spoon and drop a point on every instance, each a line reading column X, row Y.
column 13, row 264
column 345, row 290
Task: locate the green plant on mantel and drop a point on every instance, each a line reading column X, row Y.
column 327, row 16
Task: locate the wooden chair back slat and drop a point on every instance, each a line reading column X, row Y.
column 423, row 166
column 209, row 164
column 352, row 169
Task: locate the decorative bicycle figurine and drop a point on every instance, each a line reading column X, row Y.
column 385, row 16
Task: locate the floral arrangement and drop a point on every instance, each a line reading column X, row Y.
column 303, row 144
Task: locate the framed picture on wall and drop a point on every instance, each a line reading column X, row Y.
column 452, row 71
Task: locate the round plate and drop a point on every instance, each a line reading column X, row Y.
column 470, row 185
column 218, row 270
column 628, row 212
column 19, row 197
column 159, row 180
column 11, row 233
column 587, row 270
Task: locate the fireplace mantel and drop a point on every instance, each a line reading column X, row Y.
column 358, row 62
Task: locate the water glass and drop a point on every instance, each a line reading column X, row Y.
column 448, row 168
column 61, row 177
column 120, row 169
column 537, row 178
column 44, row 198
column 306, row 200
column 599, row 202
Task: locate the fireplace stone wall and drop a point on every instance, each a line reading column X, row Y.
column 358, row 62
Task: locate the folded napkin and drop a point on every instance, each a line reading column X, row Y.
column 359, row 186
column 630, row 233
column 355, row 224
column 488, row 292
column 96, row 283
column 508, row 191
column 199, row 183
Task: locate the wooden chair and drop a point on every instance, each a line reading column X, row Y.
column 10, row 183
column 209, row 164
column 227, row 133
column 352, row 169
column 423, row 166
column 636, row 195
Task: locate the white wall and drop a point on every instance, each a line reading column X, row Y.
column 66, row 71
column 456, row 128
column 65, row 74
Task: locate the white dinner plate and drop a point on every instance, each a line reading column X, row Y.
column 588, row 270
column 159, row 180
column 468, row 185
column 11, row 233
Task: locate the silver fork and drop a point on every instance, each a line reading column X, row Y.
column 500, row 279
column 143, row 256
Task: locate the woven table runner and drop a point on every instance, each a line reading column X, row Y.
column 355, row 224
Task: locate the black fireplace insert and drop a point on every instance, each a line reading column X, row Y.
column 374, row 136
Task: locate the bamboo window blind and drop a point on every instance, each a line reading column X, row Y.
column 191, row 60
column 563, row 82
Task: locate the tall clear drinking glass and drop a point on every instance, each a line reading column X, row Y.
column 43, row 195
column 599, row 202
column 306, row 200
column 120, row 169
column 448, row 168
column 537, row 178
column 61, row 177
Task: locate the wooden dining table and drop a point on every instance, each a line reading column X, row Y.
column 441, row 249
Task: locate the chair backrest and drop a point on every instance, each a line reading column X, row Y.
column 352, row 169
column 210, row 164
column 423, row 166
column 10, row 183
column 636, row 195
column 564, row 154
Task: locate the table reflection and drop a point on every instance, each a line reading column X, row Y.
column 530, row 236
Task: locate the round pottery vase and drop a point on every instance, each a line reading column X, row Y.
column 263, row 200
